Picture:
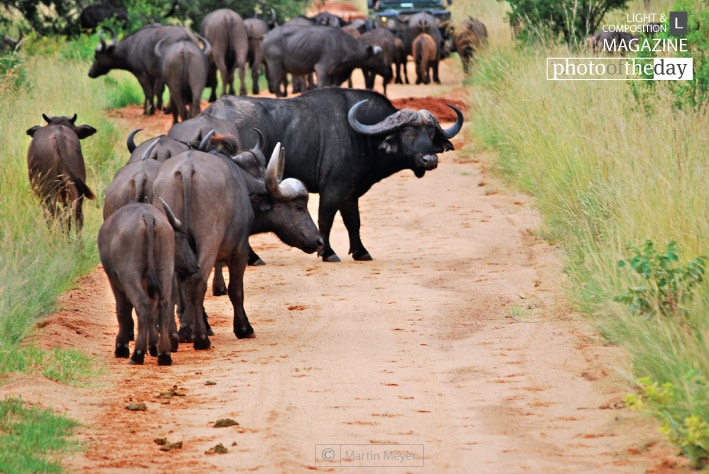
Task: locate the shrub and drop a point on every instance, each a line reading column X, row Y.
column 667, row 287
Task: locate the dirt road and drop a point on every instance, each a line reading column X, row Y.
column 453, row 351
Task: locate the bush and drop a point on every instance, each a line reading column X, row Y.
column 688, row 429
column 574, row 21
column 668, row 286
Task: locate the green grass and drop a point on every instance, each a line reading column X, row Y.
column 607, row 171
column 37, row 263
column 32, row 437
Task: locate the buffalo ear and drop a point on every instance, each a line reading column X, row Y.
column 84, row 131
column 261, row 202
column 390, row 144
column 443, row 145
column 31, row 131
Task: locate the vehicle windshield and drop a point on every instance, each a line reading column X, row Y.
column 410, row 4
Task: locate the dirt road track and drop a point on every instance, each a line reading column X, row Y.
column 455, row 338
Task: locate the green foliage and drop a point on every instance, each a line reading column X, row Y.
column 668, row 287
column 46, row 17
column 12, row 71
column 61, row 17
column 694, row 94
column 195, row 11
column 30, row 436
column 686, row 428
column 573, row 20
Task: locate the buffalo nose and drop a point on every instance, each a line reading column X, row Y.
column 430, row 161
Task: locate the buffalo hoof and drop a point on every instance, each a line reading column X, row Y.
column 245, row 334
column 174, row 342
column 153, row 350
column 202, row 344
column 137, row 359
column 122, row 351
column 257, row 263
column 164, row 359
column 329, row 256
column 218, row 291
column 185, row 335
column 206, row 323
column 362, row 256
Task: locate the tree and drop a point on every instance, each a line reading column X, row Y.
column 573, row 20
column 61, row 17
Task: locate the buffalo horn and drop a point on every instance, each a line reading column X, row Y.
column 392, row 122
column 73, row 119
column 46, row 119
column 130, row 142
column 259, row 144
column 455, row 128
column 114, row 38
column 174, row 221
column 149, row 150
column 203, row 144
column 287, row 189
column 273, row 16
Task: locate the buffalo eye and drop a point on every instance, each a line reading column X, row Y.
column 409, row 134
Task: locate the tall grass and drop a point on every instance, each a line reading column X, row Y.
column 37, row 263
column 607, row 171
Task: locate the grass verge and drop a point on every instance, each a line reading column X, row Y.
column 607, row 171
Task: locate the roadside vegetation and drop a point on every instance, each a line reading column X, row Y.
column 37, row 263
column 619, row 172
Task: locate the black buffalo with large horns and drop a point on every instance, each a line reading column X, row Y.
column 340, row 142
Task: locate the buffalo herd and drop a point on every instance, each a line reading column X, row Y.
column 185, row 203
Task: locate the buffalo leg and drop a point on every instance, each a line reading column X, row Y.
column 242, row 78
column 350, row 217
column 193, row 290
column 242, row 327
column 218, row 283
column 326, row 216
column 125, row 323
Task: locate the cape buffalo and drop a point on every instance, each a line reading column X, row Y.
column 184, row 68
column 56, row 168
column 328, row 51
column 158, row 148
column 226, row 32
column 424, row 22
column 400, row 59
column 220, row 205
column 256, row 30
column 469, row 37
column 92, row 15
column 141, row 249
column 136, row 54
column 424, row 52
column 386, row 40
column 340, row 142
column 133, row 182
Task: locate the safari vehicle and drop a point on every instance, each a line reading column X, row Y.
column 394, row 14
